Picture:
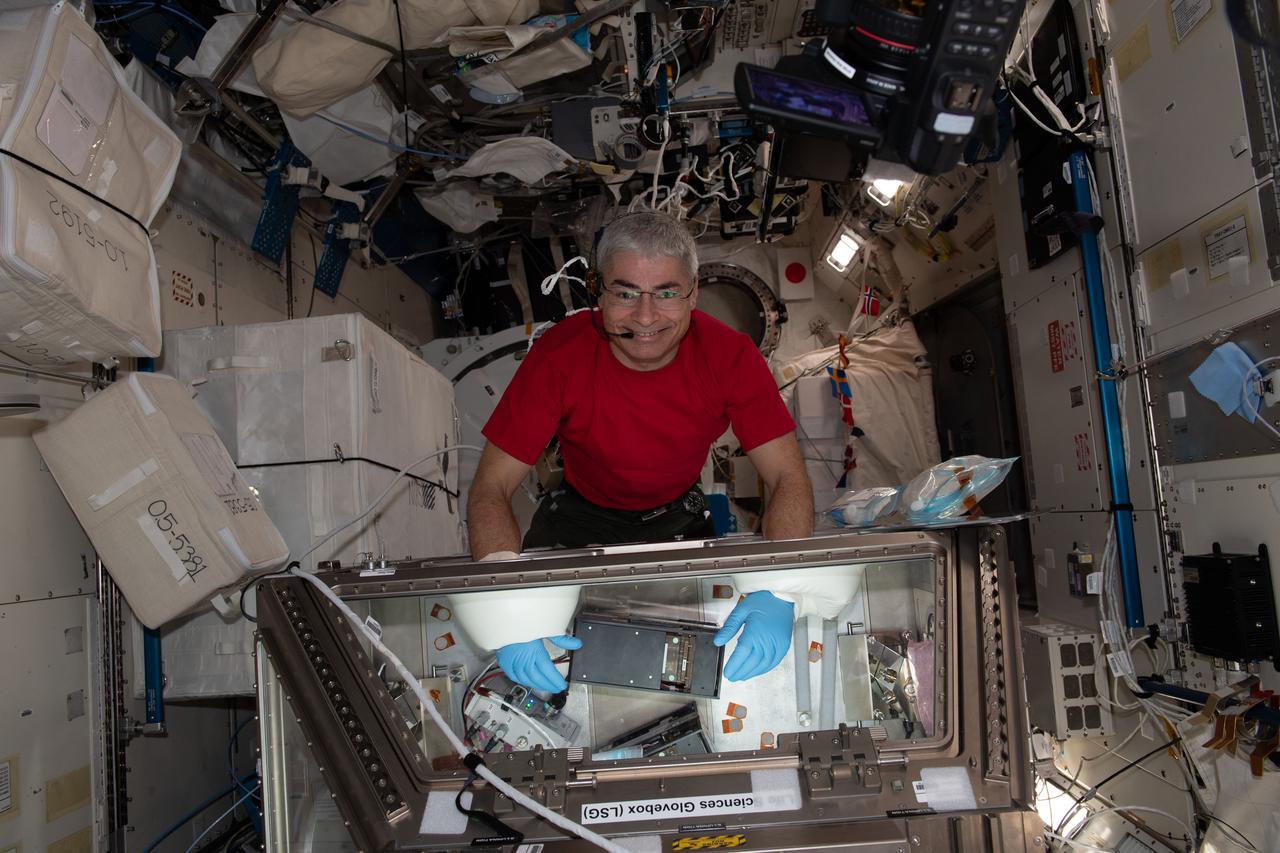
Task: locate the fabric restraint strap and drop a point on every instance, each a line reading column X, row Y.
column 421, row 480
column 23, row 160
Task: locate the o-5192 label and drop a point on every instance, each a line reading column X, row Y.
column 72, row 219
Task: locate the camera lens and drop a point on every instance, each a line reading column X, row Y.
column 872, row 41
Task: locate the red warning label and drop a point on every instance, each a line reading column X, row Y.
column 1056, row 361
column 1084, row 453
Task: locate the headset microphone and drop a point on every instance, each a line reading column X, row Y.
column 620, row 334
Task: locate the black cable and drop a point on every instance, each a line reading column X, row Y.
column 417, row 479
column 1238, row 833
column 288, row 277
column 41, row 169
column 1093, row 791
column 315, row 261
column 404, row 74
column 243, row 612
column 280, row 573
column 505, row 834
column 711, row 36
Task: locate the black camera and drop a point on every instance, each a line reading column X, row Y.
column 903, row 80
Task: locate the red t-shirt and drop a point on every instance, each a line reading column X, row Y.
column 636, row 439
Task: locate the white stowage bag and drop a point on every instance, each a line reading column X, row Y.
column 309, row 67
column 84, row 167
column 892, row 402
column 159, row 497
column 288, row 399
column 291, row 399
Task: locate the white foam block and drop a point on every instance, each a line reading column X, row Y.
column 945, row 789
column 776, row 790
column 441, row 816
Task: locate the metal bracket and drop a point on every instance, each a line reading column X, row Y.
column 197, row 97
column 840, row 763
column 541, row 773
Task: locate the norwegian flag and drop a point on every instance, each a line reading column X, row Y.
column 870, row 303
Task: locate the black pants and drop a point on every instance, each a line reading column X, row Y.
column 565, row 519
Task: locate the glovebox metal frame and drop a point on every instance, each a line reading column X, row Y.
column 856, row 793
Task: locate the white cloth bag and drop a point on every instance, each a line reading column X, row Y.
column 157, row 494
column 85, row 169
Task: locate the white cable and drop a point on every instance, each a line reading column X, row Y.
column 1110, row 700
column 1077, row 845
column 1032, row 115
column 454, row 741
column 1155, row 657
column 1248, row 398
column 552, row 281
column 662, row 150
column 1142, row 719
column 380, row 498
column 1226, row 836
column 219, row 818
column 1109, row 809
column 1056, row 113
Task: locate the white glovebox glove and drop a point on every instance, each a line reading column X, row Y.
column 502, row 617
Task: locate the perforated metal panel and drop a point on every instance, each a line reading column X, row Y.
column 1063, row 675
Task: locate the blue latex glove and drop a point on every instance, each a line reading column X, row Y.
column 765, row 640
column 530, row 665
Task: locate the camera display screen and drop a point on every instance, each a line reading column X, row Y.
column 794, row 95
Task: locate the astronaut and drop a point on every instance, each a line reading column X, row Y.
column 636, row 392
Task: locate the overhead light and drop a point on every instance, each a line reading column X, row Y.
column 843, row 250
column 1053, row 802
column 883, row 190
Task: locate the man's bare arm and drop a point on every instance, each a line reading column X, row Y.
column 491, row 525
column 789, row 514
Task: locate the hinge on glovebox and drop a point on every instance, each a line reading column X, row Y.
column 840, row 763
column 540, row 773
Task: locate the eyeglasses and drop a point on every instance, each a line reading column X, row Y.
column 663, row 297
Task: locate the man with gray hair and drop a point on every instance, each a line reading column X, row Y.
column 636, row 391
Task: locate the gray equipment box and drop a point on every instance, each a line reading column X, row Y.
column 1062, row 681
column 647, row 656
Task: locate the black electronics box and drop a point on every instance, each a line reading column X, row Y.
column 1231, row 611
column 1047, row 197
column 649, row 656
column 1060, row 72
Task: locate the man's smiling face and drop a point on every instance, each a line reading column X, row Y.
column 634, row 287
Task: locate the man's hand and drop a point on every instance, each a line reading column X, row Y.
column 491, row 525
column 766, row 638
column 530, row 664
column 789, row 510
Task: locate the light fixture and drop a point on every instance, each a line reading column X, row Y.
column 843, row 250
column 1052, row 804
column 883, row 190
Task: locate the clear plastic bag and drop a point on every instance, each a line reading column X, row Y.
column 864, row 507
column 953, row 488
